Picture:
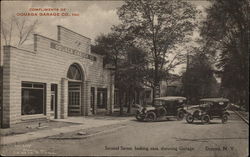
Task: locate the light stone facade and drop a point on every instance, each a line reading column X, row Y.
column 48, row 63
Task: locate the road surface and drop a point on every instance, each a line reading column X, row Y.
column 164, row 138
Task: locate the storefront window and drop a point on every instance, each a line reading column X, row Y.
column 92, row 99
column 32, row 98
column 102, row 97
column 116, row 99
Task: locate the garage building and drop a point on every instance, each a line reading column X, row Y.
column 54, row 79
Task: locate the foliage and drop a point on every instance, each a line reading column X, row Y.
column 157, row 26
column 17, row 30
column 142, row 47
column 129, row 64
column 198, row 80
column 226, row 32
column 110, row 46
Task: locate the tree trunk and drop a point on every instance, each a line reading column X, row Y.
column 156, row 80
column 153, row 101
column 120, row 101
column 129, row 100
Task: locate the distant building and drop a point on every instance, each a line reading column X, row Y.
column 172, row 87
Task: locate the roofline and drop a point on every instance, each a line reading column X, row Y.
column 73, row 32
column 46, row 37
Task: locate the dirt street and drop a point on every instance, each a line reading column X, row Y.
column 164, row 138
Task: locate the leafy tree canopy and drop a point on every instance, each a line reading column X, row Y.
column 157, row 26
column 226, row 36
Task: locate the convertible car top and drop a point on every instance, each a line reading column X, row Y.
column 215, row 99
column 171, row 98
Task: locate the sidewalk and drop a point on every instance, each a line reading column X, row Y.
column 84, row 123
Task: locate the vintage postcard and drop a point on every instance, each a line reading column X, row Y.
column 124, row 78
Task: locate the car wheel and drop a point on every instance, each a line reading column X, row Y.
column 189, row 118
column 224, row 118
column 139, row 117
column 180, row 115
column 205, row 119
column 151, row 116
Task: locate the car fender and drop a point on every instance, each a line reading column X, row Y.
column 193, row 111
column 181, row 109
column 162, row 111
column 227, row 113
column 151, row 108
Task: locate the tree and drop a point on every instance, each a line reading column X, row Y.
column 16, row 31
column 131, row 73
column 111, row 47
column 157, row 26
column 129, row 63
column 198, row 80
column 226, row 32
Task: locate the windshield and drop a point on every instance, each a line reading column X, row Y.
column 162, row 102
column 205, row 104
column 158, row 102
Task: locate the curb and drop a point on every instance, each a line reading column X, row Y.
column 30, row 136
column 90, row 135
column 20, row 138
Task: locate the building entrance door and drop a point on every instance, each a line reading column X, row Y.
column 74, row 100
column 53, row 101
column 102, row 98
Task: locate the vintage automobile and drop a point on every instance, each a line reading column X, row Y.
column 170, row 106
column 208, row 109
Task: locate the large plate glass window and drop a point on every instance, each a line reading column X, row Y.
column 102, row 98
column 92, row 99
column 33, row 98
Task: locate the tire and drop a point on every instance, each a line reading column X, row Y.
column 151, row 116
column 189, row 118
column 224, row 118
column 180, row 115
column 139, row 118
column 205, row 119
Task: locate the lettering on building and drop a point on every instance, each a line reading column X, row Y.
column 71, row 51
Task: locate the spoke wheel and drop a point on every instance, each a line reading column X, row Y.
column 180, row 115
column 190, row 118
column 205, row 119
column 224, row 118
column 151, row 116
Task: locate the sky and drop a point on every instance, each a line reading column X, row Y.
column 94, row 17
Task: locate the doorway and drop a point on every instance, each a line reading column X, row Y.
column 74, row 99
column 102, row 98
column 53, row 102
column 75, row 77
